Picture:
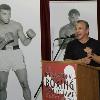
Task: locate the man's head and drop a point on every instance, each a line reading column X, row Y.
column 73, row 15
column 82, row 29
column 5, row 13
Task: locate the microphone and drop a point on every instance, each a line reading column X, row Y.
column 71, row 36
column 60, row 38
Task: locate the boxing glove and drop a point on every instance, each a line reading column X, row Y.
column 30, row 33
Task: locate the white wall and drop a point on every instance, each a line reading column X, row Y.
column 59, row 17
column 27, row 12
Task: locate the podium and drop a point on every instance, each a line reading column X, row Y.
column 69, row 81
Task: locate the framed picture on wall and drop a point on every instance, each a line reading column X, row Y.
column 63, row 14
column 20, row 40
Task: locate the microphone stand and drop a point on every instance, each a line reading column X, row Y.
column 35, row 96
column 59, row 49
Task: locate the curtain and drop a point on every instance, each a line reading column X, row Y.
column 98, row 18
column 45, row 30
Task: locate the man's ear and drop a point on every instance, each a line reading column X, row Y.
column 87, row 31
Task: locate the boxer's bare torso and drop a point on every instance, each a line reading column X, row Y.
column 12, row 28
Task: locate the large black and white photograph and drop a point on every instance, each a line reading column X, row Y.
column 63, row 16
column 20, row 49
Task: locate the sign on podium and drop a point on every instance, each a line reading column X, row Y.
column 69, row 81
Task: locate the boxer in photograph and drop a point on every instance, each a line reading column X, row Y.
column 69, row 29
column 11, row 57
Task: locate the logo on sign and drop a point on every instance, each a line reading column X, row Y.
column 63, row 83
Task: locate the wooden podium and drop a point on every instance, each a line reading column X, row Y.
column 83, row 84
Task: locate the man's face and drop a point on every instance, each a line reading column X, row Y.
column 5, row 16
column 81, row 31
column 73, row 18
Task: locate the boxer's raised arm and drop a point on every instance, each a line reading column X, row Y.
column 29, row 35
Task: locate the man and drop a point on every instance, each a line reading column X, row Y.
column 69, row 29
column 83, row 49
column 11, row 56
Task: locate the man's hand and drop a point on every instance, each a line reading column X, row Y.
column 31, row 34
column 86, row 60
column 95, row 58
column 88, row 50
